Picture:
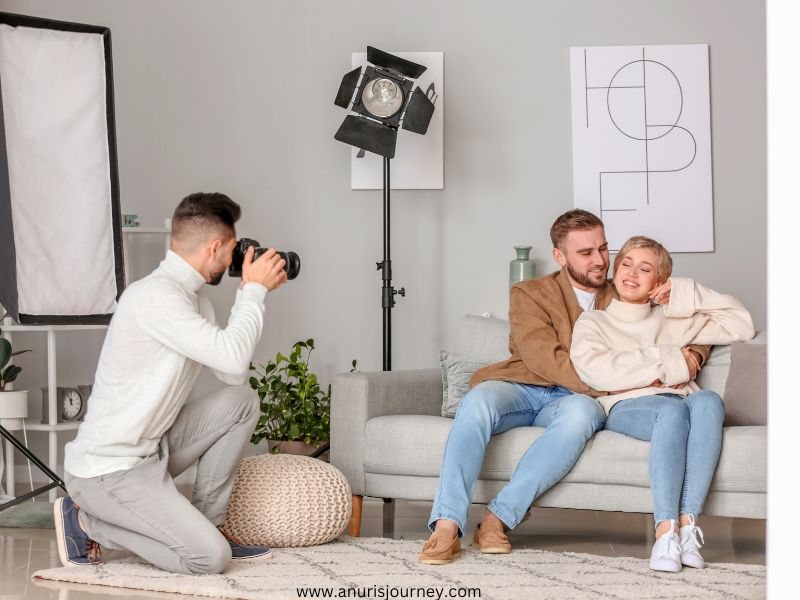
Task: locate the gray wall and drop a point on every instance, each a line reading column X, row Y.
column 237, row 97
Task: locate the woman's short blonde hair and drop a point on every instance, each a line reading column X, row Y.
column 664, row 260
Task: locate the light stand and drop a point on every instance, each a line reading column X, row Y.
column 383, row 99
column 387, row 297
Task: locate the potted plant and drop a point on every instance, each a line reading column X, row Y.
column 295, row 411
column 13, row 405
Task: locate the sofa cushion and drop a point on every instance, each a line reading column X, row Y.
column 413, row 445
column 457, row 370
column 745, row 394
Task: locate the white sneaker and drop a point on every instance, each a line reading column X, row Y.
column 666, row 553
column 691, row 541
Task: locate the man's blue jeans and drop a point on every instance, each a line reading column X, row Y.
column 494, row 407
column 685, row 436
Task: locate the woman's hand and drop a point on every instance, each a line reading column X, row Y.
column 660, row 294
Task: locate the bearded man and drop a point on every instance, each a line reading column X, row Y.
column 536, row 387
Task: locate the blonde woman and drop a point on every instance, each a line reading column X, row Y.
column 636, row 350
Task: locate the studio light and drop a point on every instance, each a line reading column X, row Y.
column 383, row 99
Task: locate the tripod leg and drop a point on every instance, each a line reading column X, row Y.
column 56, row 480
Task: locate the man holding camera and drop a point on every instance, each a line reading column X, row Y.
column 139, row 432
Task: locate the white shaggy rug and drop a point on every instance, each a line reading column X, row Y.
column 386, row 568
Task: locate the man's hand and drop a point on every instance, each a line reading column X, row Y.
column 693, row 362
column 660, row 294
column 267, row 270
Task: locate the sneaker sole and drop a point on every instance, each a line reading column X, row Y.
column 696, row 565
column 267, row 554
column 439, row 561
column 58, row 520
column 665, row 565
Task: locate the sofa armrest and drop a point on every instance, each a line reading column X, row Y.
column 358, row 397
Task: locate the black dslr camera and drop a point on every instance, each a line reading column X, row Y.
column 292, row 266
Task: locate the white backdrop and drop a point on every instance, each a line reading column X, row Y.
column 54, row 105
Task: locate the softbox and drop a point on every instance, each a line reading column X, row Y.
column 60, row 237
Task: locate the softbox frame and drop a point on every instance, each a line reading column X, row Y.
column 61, row 249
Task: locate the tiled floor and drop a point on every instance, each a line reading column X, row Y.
column 23, row 551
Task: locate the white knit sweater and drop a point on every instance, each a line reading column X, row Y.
column 163, row 332
column 628, row 346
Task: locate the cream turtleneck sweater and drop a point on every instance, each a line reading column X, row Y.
column 628, row 346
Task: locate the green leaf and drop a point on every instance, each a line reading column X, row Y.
column 254, row 383
column 5, row 352
column 10, row 374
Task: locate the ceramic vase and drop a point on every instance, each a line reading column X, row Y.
column 521, row 268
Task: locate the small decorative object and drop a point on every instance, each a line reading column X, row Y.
column 293, row 406
column 130, row 220
column 287, row 501
column 13, row 404
column 71, row 404
column 521, row 268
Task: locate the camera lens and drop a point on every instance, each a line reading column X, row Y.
column 292, row 266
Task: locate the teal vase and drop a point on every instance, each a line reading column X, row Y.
column 521, row 268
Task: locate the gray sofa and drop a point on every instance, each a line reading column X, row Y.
column 388, row 433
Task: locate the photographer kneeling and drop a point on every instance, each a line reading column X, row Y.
column 139, row 432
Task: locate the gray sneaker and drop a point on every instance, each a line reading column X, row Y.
column 75, row 548
column 241, row 551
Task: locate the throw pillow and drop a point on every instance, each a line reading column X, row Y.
column 745, row 396
column 456, row 373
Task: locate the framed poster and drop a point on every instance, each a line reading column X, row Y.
column 641, row 142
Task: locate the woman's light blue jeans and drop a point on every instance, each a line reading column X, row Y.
column 493, row 407
column 685, row 436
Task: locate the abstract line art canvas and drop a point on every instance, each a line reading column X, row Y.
column 641, row 142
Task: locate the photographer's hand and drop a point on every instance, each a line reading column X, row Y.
column 267, row 269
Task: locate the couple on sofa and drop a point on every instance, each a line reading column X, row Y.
column 588, row 353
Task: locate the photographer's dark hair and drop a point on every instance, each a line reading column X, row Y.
column 205, row 214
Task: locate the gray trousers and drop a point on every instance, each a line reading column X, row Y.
column 141, row 510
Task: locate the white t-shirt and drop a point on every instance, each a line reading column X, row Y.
column 585, row 299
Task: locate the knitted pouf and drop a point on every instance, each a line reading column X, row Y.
column 284, row 500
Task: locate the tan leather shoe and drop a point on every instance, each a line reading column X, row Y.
column 490, row 537
column 440, row 549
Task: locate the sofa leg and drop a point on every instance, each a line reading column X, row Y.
column 354, row 528
column 388, row 517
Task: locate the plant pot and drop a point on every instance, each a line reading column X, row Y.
column 300, row 448
column 13, row 408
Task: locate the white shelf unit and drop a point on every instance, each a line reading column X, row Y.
column 166, row 231
column 52, row 378
column 9, row 328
